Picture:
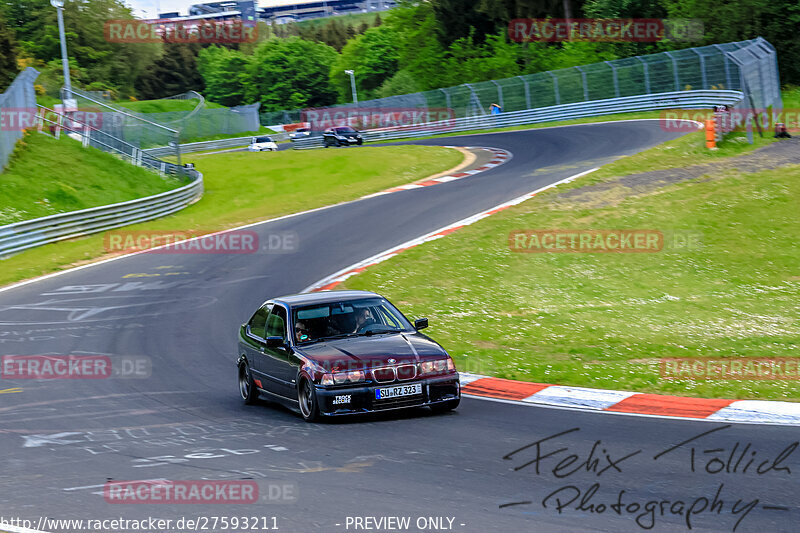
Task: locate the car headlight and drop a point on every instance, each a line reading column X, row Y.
column 437, row 366
column 354, row 376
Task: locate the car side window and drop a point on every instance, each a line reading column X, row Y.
column 276, row 323
column 259, row 321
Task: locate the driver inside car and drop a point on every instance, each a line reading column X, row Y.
column 301, row 331
column 363, row 319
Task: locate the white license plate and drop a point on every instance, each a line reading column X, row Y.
column 400, row 390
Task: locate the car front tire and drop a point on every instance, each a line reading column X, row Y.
column 247, row 388
column 307, row 400
column 444, row 407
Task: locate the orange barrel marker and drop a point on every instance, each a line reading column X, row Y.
column 711, row 141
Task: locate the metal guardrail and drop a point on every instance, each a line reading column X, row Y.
column 89, row 136
column 219, row 144
column 27, row 234
column 649, row 102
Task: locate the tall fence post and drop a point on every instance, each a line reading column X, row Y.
column 614, row 76
column 646, row 74
column 499, row 94
column 725, row 61
column 527, row 93
column 447, row 102
column 702, row 68
column 474, row 100
column 585, row 85
column 555, row 87
column 675, row 71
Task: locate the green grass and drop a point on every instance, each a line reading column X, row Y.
column 605, row 320
column 32, row 185
column 163, row 106
column 242, row 187
column 263, row 131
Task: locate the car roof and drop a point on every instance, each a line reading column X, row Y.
column 323, row 297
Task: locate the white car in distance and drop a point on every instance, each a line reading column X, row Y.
column 300, row 133
column 259, row 144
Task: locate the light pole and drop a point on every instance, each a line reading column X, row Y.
column 353, row 85
column 59, row 5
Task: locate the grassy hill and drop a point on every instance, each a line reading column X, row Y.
column 164, row 106
column 47, row 176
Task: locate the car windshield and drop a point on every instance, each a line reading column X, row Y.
column 264, row 140
column 345, row 130
column 367, row 316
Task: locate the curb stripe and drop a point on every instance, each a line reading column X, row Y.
column 631, row 403
column 579, row 397
column 336, row 278
column 499, row 157
column 503, row 388
column 657, row 404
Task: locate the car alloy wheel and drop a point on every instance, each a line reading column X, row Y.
column 307, row 400
column 247, row 388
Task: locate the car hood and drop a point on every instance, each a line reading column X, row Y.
column 404, row 347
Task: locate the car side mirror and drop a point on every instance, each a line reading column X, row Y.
column 275, row 342
column 420, row 323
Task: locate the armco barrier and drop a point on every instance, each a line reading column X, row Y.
column 31, row 233
column 219, row 144
column 649, row 102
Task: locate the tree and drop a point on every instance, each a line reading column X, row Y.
column 775, row 20
column 8, row 55
column 225, row 75
column 98, row 60
column 291, row 73
column 174, row 73
column 468, row 62
column 457, row 18
column 372, row 55
column 419, row 51
column 402, row 82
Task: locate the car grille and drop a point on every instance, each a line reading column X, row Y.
column 406, row 372
column 384, row 375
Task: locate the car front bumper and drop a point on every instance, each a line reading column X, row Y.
column 361, row 398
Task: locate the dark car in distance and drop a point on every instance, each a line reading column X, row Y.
column 340, row 353
column 341, row 136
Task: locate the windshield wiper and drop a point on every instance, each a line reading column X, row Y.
column 340, row 336
column 381, row 332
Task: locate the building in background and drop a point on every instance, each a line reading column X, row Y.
column 281, row 11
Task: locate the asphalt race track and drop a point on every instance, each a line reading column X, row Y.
column 479, row 466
